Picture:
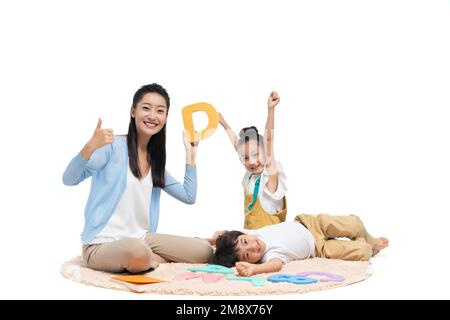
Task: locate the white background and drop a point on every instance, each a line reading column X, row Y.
column 362, row 126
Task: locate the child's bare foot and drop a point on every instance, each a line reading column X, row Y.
column 380, row 244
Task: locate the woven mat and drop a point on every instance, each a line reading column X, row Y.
column 352, row 271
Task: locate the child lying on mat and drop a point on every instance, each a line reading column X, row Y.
column 267, row 249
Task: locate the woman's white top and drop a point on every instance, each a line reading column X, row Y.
column 130, row 219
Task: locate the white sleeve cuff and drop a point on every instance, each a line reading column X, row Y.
column 281, row 188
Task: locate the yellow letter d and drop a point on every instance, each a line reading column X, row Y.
column 213, row 120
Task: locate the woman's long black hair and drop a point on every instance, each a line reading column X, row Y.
column 156, row 147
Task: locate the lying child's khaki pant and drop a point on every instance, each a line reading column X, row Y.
column 326, row 228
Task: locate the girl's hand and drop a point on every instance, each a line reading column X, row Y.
column 222, row 121
column 273, row 100
column 231, row 135
column 245, row 269
column 215, row 236
column 191, row 148
column 100, row 138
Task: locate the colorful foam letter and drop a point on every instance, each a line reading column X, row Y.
column 213, row 120
column 290, row 278
column 257, row 282
column 207, row 277
column 329, row 276
column 212, row 268
column 138, row 279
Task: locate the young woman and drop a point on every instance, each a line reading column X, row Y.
column 128, row 173
column 264, row 181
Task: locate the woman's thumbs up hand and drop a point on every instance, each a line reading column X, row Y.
column 100, row 138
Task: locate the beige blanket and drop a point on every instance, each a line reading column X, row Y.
column 352, row 271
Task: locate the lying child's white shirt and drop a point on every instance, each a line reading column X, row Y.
column 286, row 241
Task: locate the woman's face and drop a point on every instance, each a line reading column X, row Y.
column 150, row 114
column 252, row 157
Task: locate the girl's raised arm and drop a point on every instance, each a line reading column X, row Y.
column 231, row 134
column 272, row 182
